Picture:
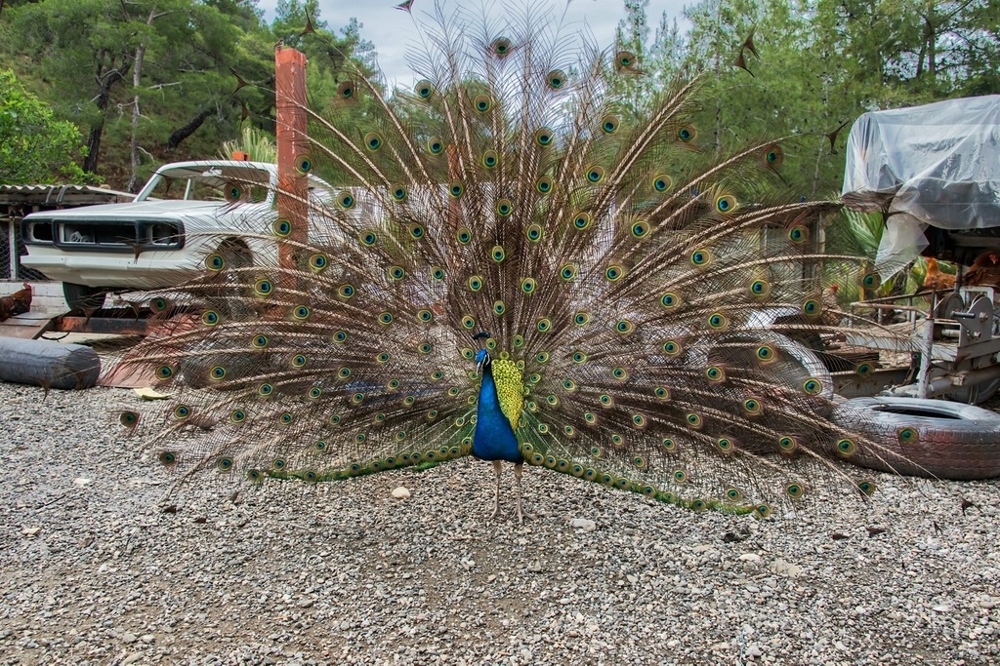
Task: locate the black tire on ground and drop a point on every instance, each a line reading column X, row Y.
column 79, row 297
column 48, row 364
column 930, row 438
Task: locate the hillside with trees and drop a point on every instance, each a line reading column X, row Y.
column 151, row 81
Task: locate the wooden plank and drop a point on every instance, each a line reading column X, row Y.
column 27, row 326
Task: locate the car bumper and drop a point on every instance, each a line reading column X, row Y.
column 154, row 270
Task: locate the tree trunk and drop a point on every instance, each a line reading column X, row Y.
column 93, row 147
column 188, row 129
column 931, row 43
column 133, row 180
column 106, row 82
column 140, row 54
column 826, row 116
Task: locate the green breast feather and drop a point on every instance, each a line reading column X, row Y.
column 510, row 390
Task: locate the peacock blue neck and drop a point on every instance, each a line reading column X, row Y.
column 494, row 438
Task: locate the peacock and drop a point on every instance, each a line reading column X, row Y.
column 517, row 263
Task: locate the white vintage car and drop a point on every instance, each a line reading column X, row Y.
column 162, row 237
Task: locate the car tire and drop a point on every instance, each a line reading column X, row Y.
column 236, row 253
column 929, row 438
column 80, row 297
column 237, row 256
column 196, row 370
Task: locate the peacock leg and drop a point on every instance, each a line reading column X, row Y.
column 518, row 468
column 496, row 498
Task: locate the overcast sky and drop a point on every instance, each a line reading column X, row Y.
column 390, row 29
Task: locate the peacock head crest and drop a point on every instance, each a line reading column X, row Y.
column 483, row 358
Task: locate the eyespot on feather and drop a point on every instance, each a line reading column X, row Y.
column 624, row 60
column 346, row 90
column 773, row 156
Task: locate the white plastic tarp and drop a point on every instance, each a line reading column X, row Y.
column 937, row 164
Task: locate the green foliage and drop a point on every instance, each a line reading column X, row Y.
column 822, row 63
column 256, row 143
column 149, row 81
column 34, row 146
column 864, row 234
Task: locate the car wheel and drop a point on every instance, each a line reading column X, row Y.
column 236, row 253
column 930, row 438
column 80, row 297
column 232, row 300
column 236, row 282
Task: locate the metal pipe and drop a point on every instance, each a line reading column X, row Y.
column 925, row 354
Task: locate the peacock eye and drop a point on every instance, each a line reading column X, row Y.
column 725, row 204
column 543, row 137
column 304, row 163
column 424, row 89
column 281, row 228
column 483, row 103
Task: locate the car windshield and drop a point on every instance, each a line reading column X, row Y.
column 209, row 183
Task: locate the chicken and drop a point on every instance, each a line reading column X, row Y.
column 985, row 271
column 832, row 313
column 937, row 279
column 17, row 303
column 830, row 296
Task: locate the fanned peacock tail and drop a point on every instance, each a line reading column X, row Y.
column 653, row 311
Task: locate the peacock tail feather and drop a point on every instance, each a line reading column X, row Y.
column 653, row 309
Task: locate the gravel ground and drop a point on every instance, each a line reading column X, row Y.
column 96, row 571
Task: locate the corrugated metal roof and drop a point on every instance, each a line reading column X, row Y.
column 58, row 193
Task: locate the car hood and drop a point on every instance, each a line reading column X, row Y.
column 168, row 209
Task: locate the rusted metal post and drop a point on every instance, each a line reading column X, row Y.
column 293, row 151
